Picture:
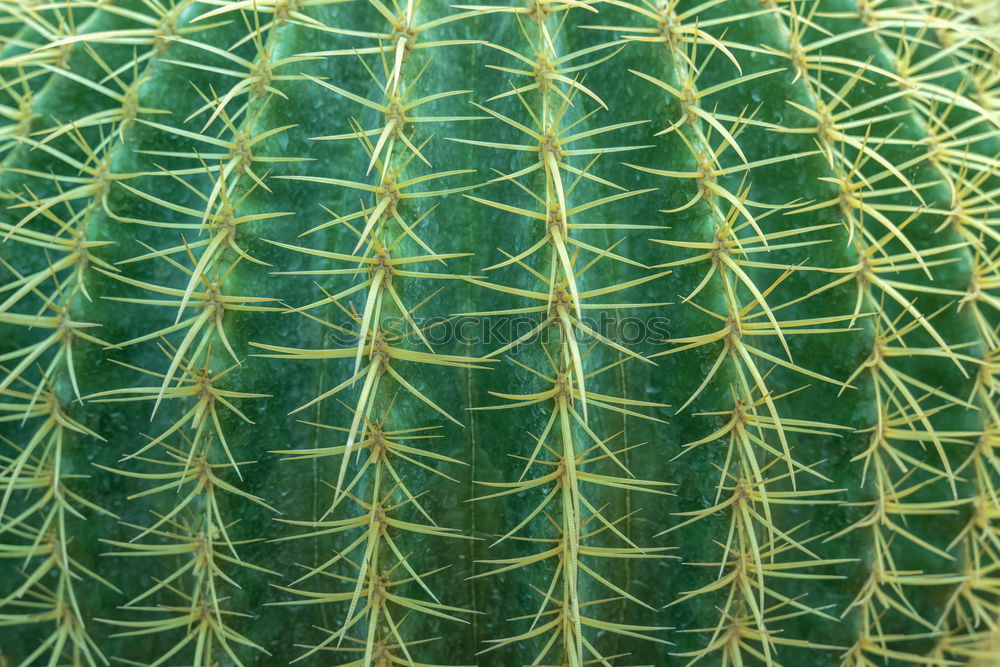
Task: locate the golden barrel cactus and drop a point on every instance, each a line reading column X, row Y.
column 561, row 332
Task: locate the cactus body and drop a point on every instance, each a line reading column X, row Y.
column 553, row 333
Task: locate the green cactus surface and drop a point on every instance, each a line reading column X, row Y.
column 556, row 333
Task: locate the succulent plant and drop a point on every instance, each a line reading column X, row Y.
column 563, row 332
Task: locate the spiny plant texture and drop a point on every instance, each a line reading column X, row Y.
column 552, row 333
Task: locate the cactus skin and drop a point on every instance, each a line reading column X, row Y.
column 204, row 463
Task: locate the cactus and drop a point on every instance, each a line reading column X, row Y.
column 562, row 332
